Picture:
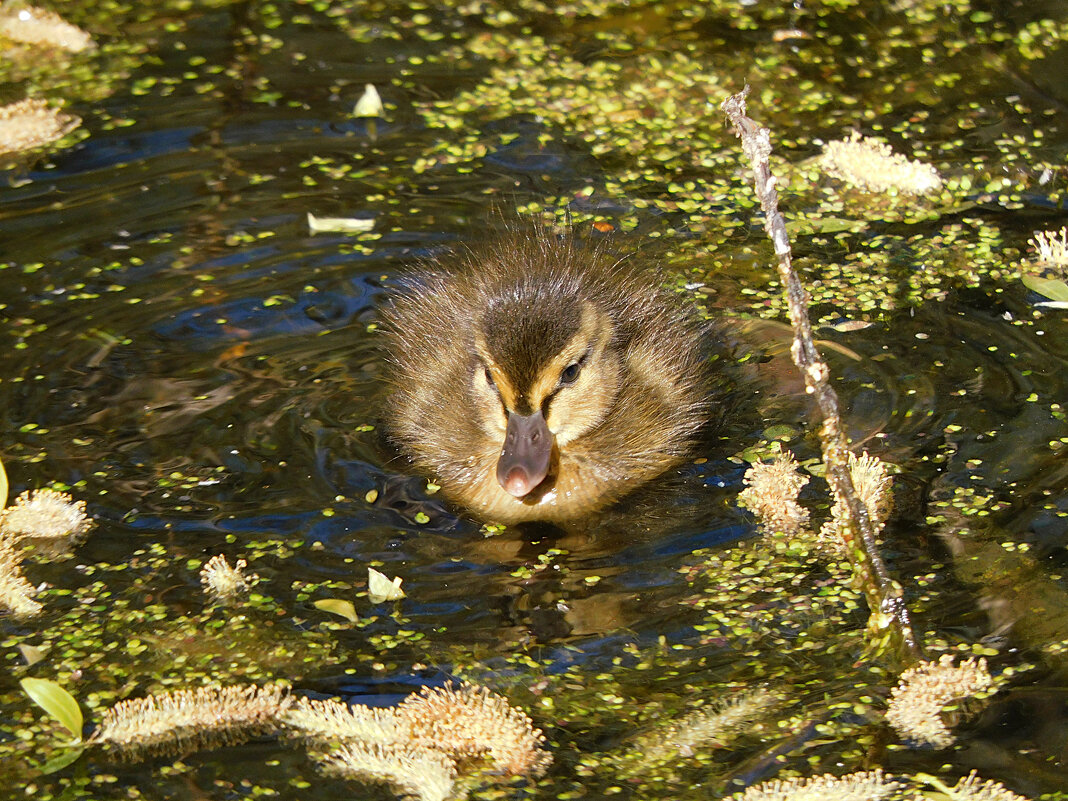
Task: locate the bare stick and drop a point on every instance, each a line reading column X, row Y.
column 889, row 623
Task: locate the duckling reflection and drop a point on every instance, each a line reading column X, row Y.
column 541, row 379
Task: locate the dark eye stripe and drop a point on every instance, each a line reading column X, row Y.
column 496, row 390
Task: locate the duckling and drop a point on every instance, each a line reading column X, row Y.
column 542, row 379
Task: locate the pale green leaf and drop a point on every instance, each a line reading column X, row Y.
column 380, row 588
column 341, row 225
column 56, row 701
column 3, row 485
column 62, row 759
column 1047, row 287
column 338, row 607
column 369, row 104
column 780, row 431
column 31, row 653
column 807, row 226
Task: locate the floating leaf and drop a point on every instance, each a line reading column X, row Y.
column 807, row 226
column 846, row 326
column 56, row 701
column 781, row 431
column 369, row 104
column 826, row 344
column 344, row 225
column 67, row 756
column 1047, row 287
column 380, row 588
column 338, row 607
column 31, row 653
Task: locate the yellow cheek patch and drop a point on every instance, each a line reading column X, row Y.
column 488, row 412
column 581, row 406
column 504, row 386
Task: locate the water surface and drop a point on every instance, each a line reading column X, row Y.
column 187, row 357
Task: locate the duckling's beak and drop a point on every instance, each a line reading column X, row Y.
column 528, row 446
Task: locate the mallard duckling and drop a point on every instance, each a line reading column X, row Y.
column 543, row 379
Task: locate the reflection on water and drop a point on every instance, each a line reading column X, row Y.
column 203, row 371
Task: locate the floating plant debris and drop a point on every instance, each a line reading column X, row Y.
column 223, row 583
column 873, row 166
column 412, row 771
column 327, row 720
column 381, row 588
column 16, row 593
column 56, row 701
column 1051, row 248
column 415, row 746
column 872, row 483
column 863, row 786
column 36, row 26
column 31, row 123
column 916, row 704
column 185, row 720
column 344, row 225
column 771, row 494
column 369, row 104
column 974, row 788
column 45, row 514
column 473, row 722
column 705, row 728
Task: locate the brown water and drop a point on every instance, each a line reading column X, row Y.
column 186, row 356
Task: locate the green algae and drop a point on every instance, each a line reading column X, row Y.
column 646, row 117
column 781, row 618
column 104, row 644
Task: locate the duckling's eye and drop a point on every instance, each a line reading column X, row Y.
column 571, row 373
column 489, row 379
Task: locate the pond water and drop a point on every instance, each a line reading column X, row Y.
column 188, row 357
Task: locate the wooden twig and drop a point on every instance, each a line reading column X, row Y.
column 889, row 623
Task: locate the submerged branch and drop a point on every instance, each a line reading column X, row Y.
column 889, row 620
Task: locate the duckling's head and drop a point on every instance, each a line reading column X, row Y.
column 540, row 379
column 549, row 373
